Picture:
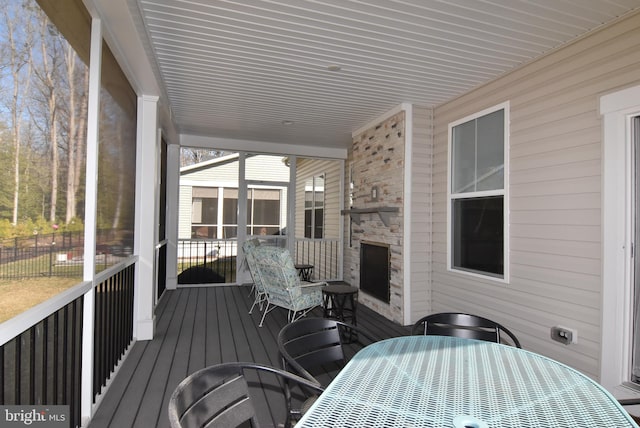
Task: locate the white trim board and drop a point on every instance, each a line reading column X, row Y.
column 617, row 313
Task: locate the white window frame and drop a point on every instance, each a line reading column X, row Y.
column 314, row 193
column 504, row 192
column 617, row 110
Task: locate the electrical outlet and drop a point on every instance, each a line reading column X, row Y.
column 564, row 335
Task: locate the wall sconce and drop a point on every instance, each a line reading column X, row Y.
column 374, row 193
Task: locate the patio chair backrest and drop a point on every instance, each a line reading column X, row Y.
column 464, row 325
column 219, row 396
column 312, row 343
column 276, row 267
column 247, row 248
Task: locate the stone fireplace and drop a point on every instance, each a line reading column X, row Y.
column 375, row 174
column 374, row 270
column 388, row 178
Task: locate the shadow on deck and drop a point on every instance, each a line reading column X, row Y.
column 195, row 328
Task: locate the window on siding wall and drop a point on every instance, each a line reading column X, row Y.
column 314, row 207
column 204, row 212
column 230, row 213
column 477, row 197
column 263, row 212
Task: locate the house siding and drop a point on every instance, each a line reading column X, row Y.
column 225, row 174
column 308, row 168
column 420, row 209
column 554, row 193
column 321, row 257
column 184, row 212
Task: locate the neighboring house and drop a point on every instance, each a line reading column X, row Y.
column 208, row 207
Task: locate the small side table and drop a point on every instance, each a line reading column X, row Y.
column 305, row 271
column 340, row 302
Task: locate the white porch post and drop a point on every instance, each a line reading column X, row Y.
column 173, row 194
column 91, row 203
column 146, row 216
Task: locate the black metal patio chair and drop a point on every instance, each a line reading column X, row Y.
column 466, row 326
column 219, row 396
column 315, row 349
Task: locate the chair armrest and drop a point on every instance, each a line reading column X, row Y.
column 312, row 284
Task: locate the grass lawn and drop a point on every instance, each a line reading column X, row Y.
column 16, row 296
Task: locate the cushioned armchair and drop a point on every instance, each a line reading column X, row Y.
column 282, row 285
column 258, row 289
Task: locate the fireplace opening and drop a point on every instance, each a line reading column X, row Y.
column 374, row 270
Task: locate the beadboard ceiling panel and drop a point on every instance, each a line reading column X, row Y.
column 241, row 69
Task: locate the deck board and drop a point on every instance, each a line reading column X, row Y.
column 197, row 327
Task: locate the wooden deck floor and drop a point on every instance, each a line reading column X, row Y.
column 197, row 327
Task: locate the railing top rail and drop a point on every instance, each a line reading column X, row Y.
column 112, row 270
column 24, row 321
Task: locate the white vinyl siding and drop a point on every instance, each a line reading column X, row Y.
column 306, row 169
column 223, row 172
column 184, row 212
column 555, row 195
column 419, row 273
column 333, row 171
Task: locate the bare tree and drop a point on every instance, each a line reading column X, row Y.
column 191, row 156
column 77, row 81
column 19, row 58
column 47, row 76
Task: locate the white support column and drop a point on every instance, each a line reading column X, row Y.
column 407, row 210
column 291, row 205
column 91, row 203
column 146, row 226
column 173, row 194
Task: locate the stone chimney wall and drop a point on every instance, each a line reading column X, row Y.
column 376, row 160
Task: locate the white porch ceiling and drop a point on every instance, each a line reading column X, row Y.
column 238, row 69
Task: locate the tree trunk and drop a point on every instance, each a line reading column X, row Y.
column 73, row 141
column 49, row 92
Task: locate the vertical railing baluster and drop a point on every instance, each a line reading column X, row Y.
column 56, row 356
column 76, row 345
column 119, row 330
column 44, row 358
column 2, row 373
column 17, row 370
column 108, row 334
column 107, row 331
column 98, row 334
column 32, row 365
column 65, row 354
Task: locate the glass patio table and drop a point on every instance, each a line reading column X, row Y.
column 437, row 381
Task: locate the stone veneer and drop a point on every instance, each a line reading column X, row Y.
column 377, row 159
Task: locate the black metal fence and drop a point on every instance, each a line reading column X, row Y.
column 42, row 366
column 55, row 254
column 202, row 261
